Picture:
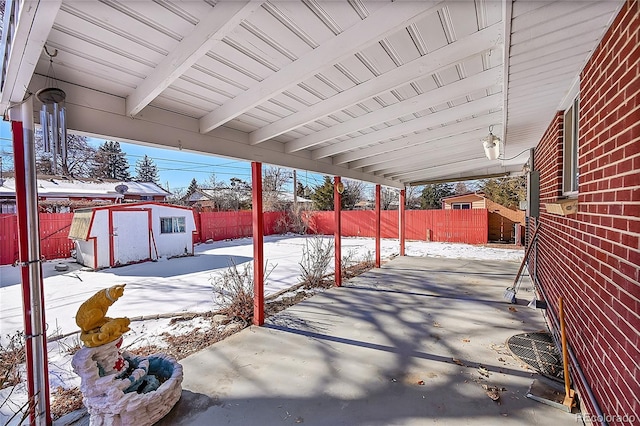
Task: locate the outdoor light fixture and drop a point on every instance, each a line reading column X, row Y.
column 53, row 116
column 491, row 145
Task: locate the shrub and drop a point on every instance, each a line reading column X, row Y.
column 234, row 291
column 316, row 257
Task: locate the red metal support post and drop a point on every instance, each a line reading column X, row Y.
column 338, row 187
column 258, row 239
column 30, row 267
column 401, row 220
column 378, row 226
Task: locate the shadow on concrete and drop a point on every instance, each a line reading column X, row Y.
column 410, row 343
column 188, row 407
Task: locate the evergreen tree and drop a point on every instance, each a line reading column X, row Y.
column 192, row 187
column 322, row 195
column 300, row 190
column 507, row 191
column 432, row 195
column 113, row 163
column 146, row 170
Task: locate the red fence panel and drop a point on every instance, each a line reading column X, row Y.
column 54, row 236
column 236, row 224
column 8, row 239
column 225, row 225
column 389, row 223
column 456, row 226
column 461, row 226
column 319, row 222
column 275, row 223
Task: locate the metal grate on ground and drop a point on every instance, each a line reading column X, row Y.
column 538, row 351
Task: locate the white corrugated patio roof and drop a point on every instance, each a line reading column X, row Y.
column 394, row 93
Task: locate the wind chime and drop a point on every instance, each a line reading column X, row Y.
column 53, row 117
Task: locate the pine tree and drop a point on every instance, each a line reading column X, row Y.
column 433, row 194
column 146, row 170
column 301, row 190
column 322, row 195
column 192, row 187
column 112, row 162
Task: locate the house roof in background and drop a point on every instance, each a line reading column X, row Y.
column 204, row 194
column 55, row 186
column 453, row 197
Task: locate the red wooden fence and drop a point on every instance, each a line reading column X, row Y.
column 54, row 241
column 229, row 225
column 455, row 226
column 459, row 226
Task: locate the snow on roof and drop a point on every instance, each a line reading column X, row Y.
column 70, row 187
column 202, row 194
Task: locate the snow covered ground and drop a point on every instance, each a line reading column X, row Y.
column 180, row 285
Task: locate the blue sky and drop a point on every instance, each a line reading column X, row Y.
column 176, row 168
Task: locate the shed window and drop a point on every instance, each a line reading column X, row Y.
column 570, row 150
column 461, row 206
column 172, row 225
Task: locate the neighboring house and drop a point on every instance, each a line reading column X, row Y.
column 58, row 194
column 218, row 199
column 502, row 221
column 226, row 199
column 121, row 234
column 285, row 199
column 371, row 204
column 364, row 205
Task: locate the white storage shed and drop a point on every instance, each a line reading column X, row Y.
column 121, row 234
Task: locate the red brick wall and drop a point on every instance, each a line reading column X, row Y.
column 592, row 258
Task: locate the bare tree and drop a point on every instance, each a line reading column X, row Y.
column 80, row 159
column 412, row 197
column 240, row 194
column 461, row 188
column 387, row 197
column 353, row 192
column 274, row 181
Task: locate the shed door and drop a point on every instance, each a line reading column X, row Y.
column 130, row 236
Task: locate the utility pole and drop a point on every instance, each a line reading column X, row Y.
column 295, row 192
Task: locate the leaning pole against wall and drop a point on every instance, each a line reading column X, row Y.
column 29, row 261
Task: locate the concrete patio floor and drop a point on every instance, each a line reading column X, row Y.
column 399, row 345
